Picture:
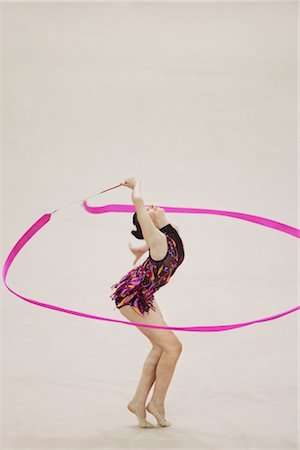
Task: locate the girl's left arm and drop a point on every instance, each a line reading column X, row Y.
column 142, row 248
column 138, row 250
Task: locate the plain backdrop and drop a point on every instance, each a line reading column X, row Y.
column 199, row 102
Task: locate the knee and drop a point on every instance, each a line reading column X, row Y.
column 179, row 347
column 156, row 350
column 175, row 348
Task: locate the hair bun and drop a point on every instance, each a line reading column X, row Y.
column 136, row 234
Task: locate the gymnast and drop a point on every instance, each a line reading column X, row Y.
column 134, row 295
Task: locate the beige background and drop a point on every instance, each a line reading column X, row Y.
column 199, row 102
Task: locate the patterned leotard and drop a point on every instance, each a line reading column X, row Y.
column 137, row 287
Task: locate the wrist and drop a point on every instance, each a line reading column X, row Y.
column 137, row 192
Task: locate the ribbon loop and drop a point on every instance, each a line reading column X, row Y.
column 43, row 220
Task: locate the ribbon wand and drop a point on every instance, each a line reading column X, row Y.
column 114, row 187
column 94, row 195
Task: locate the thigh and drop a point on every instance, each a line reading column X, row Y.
column 157, row 336
column 158, row 310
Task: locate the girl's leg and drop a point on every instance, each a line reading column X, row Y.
column 148, row 376
column 164, row 373
column 169, row 350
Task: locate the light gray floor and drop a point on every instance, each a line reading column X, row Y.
column 199, row 101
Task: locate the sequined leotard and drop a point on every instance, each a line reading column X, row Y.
column 137, row 287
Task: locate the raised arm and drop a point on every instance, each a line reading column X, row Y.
column 151, row 234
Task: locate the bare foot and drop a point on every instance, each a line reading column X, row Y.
column 140, row 411
column 159, row 413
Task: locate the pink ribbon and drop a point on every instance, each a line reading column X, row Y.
column 43, row 220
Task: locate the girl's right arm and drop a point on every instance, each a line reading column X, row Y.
column 136, row 187
column 137, row 192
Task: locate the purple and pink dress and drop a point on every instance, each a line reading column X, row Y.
column 137, row 287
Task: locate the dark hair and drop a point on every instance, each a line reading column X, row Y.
column 138, row 232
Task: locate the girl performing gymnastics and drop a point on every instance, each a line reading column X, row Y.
column 134, row 297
